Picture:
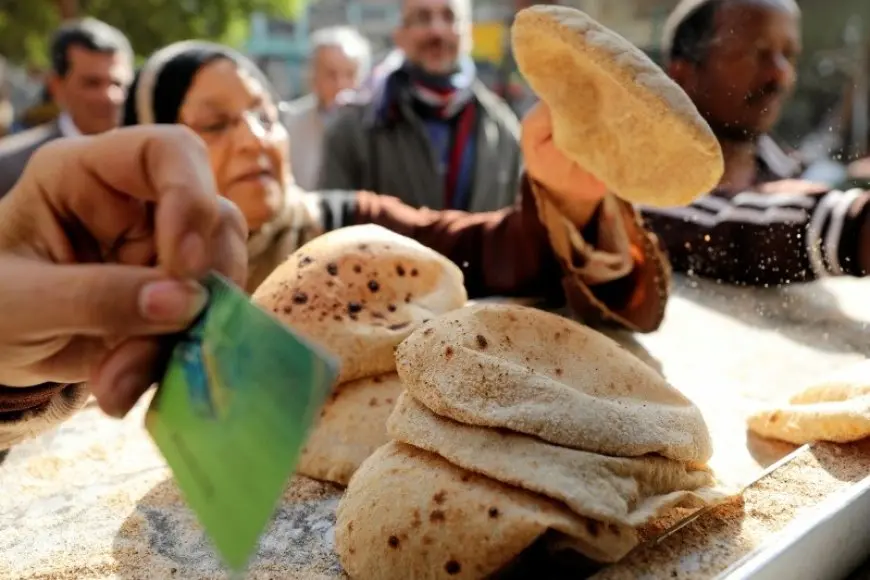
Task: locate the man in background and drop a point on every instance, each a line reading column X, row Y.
column 428, row 131
column 340, row 59
column 764, row 224
column 92, row 67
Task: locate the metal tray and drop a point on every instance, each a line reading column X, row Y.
column 828, row 543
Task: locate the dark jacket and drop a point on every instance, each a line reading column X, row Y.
column 392, row 155
column 16, row 150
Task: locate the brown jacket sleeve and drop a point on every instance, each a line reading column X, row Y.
column 768, row 239
column 533, row 250
column 27, row 412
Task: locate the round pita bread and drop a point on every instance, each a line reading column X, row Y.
column 411, row 514
column 835, row 409
column 532, row 372
column 630, row 491
column 615, row 112
column 352, row 426
column 359, row 291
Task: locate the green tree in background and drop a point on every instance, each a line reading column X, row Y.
column 26, row 25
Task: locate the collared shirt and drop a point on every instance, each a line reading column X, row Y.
column 67, row 126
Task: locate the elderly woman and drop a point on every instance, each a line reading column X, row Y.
column 566, row 239
column 563, row 226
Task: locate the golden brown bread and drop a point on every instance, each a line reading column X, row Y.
column 351, row 427
column 615, row 112
column 835, row 409
column 359, row 291
column 533, row 372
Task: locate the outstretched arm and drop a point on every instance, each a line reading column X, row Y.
column 608, row 268
column 768, row 238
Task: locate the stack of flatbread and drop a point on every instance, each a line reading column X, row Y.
column 517, row 427
column 359, row 292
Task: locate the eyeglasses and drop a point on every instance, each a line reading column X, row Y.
column 429, row 18
column 260, row 122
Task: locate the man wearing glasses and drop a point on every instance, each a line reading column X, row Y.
column 427, row 130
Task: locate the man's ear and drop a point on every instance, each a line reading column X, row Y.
column 399, row 37
column 55, row 87
column 311, row 71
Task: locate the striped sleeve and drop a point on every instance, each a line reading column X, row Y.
column 765, row 239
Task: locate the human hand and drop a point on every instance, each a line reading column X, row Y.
column 101, row 243
column 574, row 191
column 793, row 186
column 860, row 169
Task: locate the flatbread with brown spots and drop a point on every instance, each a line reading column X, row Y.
column 359, row 291
column 628, row 491
column 533, row 372
column 351, row 427
column 411, row 514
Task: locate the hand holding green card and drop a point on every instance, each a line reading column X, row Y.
column 232, row 414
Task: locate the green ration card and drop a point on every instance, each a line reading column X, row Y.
column 232, row 413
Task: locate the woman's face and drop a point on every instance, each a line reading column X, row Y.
column 248, row 146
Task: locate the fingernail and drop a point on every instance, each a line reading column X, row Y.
column 192, row 250
column 172, row 301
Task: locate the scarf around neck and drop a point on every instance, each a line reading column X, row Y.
column 446, row 95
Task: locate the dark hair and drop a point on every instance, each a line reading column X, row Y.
column 174, row 77
column 693, row 32
column 90, row 34
column 692, row 26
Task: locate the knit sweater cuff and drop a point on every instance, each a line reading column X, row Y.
column 28, row 412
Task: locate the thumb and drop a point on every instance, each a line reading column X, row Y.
column 46, row 300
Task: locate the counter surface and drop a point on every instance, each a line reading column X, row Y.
column 94, row 499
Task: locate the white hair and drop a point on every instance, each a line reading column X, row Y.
column 349, row 40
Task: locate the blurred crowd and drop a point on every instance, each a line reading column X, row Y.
column 421, row 127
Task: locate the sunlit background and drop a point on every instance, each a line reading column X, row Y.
column 828, row 113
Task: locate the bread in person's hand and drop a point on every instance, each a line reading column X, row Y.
column 352, row 425
column 512, row 367
column 359, row 291
column 614, row 111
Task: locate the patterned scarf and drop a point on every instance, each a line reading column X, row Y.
column 446, row 95
column 446, row 104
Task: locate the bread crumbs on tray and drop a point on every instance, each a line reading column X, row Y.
column 721, row 537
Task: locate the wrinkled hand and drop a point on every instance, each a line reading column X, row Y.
column 575, row 192
column 101, row 242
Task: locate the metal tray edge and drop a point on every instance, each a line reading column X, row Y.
column 828, row 542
